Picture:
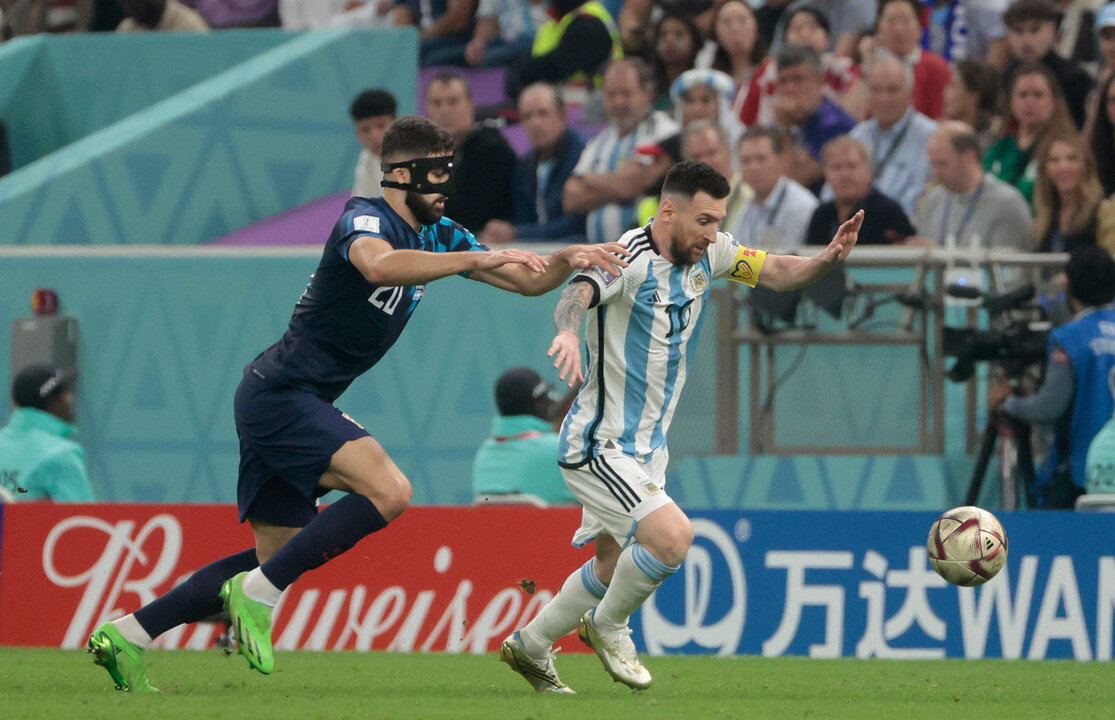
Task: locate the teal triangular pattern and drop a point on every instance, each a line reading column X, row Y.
column 296, row 77
column 473, row 399
column 202, row 318
column 289, row 180
column 904, row 486
column 786, row 489
column 215, row 225
column 72, row 229
column 146, row 172
column 149, row 393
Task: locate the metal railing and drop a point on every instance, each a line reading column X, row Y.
column 921, row 328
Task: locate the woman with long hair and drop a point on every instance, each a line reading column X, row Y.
column 676, row 44
column 1067, row 195
column 1036, row 110
column 735, row 48
column 972, row 97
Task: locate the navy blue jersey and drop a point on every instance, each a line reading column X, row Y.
column 343, row 324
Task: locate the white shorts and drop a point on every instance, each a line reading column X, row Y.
column 617, row 491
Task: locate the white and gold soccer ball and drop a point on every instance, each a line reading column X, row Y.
column 967, row 546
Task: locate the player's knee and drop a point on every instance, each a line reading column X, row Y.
column 392, row 496
column 674, row 543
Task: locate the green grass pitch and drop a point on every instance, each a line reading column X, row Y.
column 65, row 685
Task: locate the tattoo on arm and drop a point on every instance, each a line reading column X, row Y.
column 572, row 306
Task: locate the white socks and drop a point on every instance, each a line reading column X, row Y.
column 580, row 593
column 637, row 575
column 132, row 631
column 260, row 589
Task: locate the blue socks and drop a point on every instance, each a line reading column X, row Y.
column 196, row 598
column 335, row 530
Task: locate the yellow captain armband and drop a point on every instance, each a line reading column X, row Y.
column 747, row 265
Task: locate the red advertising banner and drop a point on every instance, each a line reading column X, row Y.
column 439, row 578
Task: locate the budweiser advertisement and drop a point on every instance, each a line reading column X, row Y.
column 438, row 579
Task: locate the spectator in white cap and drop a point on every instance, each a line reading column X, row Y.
column 705, row 94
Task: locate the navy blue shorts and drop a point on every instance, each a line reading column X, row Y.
column 287, row 440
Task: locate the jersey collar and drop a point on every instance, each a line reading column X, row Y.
column 34, row 419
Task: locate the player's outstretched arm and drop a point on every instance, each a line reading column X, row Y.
column 385, row 266
column 790, row 272
column 568, row 315
column 559, row 267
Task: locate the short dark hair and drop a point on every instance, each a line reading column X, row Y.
column 689, row 178
column 1091, row 275
column 1022, row 11
column 373, row 102
column 983, row 79
column 819, row 15
column 778, row 136
column 413, row 136
column 449, row 76
column 915, row 5
column 963, row 142
column 794, row 55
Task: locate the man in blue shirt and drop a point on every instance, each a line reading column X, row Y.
column 538, row 180
column 39, row 460
column 800, row 104
column 294, row 444
column 1074, row 398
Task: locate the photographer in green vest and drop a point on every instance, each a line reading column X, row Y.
column 571, row 46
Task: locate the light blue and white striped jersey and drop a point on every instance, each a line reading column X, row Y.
column 606, row 153
column 643, row 322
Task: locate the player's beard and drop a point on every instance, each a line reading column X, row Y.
column 425, row 212
column 683, row 255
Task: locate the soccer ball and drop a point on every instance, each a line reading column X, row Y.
column 967, row 546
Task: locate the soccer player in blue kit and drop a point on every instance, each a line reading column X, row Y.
column 294, row 444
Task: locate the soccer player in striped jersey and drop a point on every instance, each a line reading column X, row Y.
column 295, row 445
column 613, row 441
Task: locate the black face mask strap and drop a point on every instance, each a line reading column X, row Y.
column 420, row 169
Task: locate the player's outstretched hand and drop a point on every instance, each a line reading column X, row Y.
column 496, row 258
column 566, row 352
column 845, row 239
column 607, row 256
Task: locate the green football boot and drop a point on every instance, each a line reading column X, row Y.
column 122, row 659
column 251, row 625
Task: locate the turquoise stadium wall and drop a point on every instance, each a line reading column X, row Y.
column 164, row 341
column 182, row 139
column 63, row 88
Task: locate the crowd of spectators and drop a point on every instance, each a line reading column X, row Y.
column 974, row 123
column 953, row 123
